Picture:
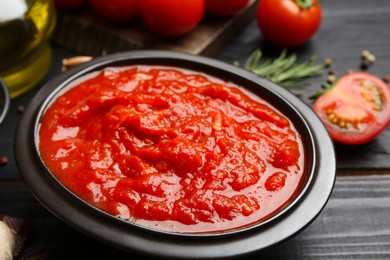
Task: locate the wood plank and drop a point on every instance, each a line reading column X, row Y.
column 86, row 33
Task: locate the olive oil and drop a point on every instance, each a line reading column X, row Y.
column 25, row 54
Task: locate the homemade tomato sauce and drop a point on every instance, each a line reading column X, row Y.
column 172, row 149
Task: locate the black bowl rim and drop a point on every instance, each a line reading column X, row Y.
column 155, row 243
column 4, row 100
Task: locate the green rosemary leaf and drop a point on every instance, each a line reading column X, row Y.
column 295, row 83
column 267, row 68
column 326, row 87
column 318, row 94
column 280, row 65
column 253, row 59
column 300, row 71
column 284, row 70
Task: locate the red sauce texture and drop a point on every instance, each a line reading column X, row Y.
column 172, row 149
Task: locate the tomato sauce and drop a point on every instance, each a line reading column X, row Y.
column 172, row 149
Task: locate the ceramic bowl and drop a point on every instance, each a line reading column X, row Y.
column 318, row 180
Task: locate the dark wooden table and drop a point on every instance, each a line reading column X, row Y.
column 355, row 223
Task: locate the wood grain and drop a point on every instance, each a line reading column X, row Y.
column 85, row 32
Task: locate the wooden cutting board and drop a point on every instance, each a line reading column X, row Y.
column 86, row 33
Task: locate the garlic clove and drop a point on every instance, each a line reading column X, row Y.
column 7, row 241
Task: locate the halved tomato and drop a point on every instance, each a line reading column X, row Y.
column 356, row 109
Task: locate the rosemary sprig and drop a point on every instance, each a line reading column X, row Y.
column 284, row 70
column 326, row 87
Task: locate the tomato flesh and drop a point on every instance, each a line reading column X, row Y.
column 357, row 109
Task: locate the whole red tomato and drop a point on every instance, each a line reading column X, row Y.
column 288, row 23
column 356, row 109
column 116, row 10
column 171, row 17
column 225, row 7
column 68, row 4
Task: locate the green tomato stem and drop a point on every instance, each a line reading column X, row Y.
column 305, row 4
